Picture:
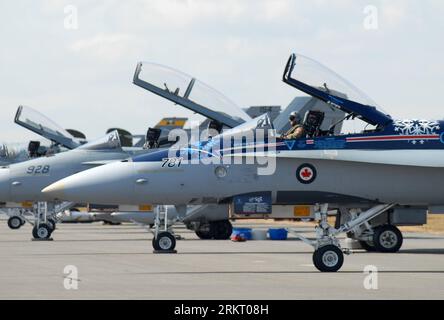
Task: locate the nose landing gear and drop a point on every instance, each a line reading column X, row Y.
column 42, row 231
column 328, row 258
column 164, row 240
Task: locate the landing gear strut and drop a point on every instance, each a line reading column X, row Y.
column 380, row 238
column 44, row 226
column 164, row 240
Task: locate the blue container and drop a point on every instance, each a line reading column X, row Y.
column 245, row 232
column 278, row 234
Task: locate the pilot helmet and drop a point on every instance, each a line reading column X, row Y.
column 294, row 116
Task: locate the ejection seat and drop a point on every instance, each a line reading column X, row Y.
column 312, row 123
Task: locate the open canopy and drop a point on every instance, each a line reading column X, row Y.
column 320, row 82
column 36, row 122
column 188, row 92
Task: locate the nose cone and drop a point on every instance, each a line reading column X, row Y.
column 5, row 186
column 108, row 184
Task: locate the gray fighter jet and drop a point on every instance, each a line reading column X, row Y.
column 381, row 167
column 21, row 181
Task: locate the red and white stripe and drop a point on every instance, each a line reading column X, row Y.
column 393, row 138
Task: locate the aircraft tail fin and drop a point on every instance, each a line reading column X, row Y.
column 170, row 123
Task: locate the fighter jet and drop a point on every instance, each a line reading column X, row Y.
column 208, row 222
column 20, row 183
column 387, row 167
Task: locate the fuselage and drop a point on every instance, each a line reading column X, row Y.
column 24, row 181
column 403, row 164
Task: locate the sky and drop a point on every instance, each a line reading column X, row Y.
column 74, row 60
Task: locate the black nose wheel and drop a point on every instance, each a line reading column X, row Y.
column 328, row 258
column 41, row 231
column 387, row 238
column 15, row 222
column 164, row 241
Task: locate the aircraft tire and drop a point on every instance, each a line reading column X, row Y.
column 204, row 235
column 43, row 231
column 328, row 258
column 367, row 246
column 165, row 241
column 222, row 230
column 51, row 224
column 207, row 232
column 15, row 223
column 387, row 239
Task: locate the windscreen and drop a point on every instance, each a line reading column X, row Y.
column 262, row 122
column 111, row 141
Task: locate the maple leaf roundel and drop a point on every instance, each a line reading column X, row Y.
column 306, row 173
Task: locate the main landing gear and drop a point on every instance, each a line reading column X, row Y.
column 328, row 255
column 218, row 230
column 45, row 219
column 384, row 238
column 387, row 238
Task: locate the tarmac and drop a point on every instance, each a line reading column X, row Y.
column 117, row 262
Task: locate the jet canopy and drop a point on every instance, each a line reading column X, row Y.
column 111, row 142
column 189, row 92
column 35, row 121
column 320, row 82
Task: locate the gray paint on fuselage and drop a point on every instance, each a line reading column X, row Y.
column 18, row 185
column 116, row 183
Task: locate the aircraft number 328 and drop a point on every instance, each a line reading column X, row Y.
column 38, row 169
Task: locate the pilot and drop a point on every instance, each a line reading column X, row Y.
column 297, row 129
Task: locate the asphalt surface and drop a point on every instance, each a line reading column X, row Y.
column 117, row 262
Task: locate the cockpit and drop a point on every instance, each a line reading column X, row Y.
column 360, row 114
